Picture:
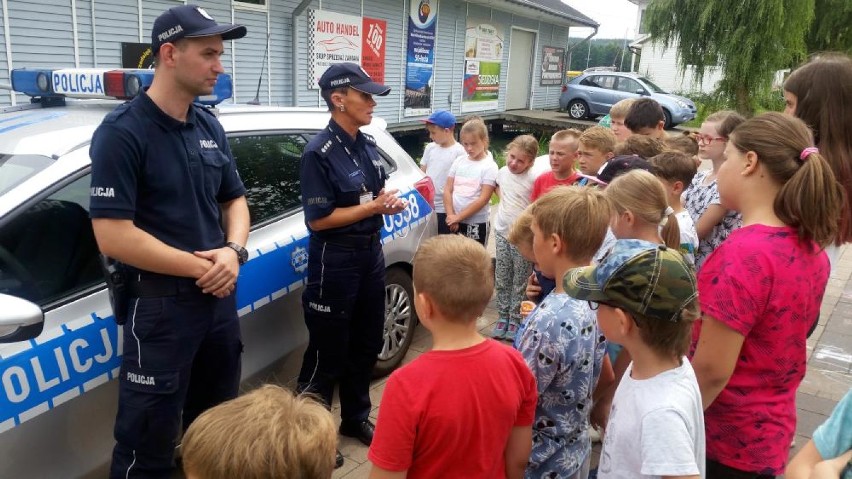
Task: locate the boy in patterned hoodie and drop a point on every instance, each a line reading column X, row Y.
column 561, row 342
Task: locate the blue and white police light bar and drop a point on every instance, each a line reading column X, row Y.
column 100, row 83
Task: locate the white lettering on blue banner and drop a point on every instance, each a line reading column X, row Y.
column 45, row 371
column 88, row 82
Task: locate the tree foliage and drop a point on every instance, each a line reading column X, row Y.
column 832, row 27
column 749, row 39
column 599, row 52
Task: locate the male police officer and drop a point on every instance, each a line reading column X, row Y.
column 177, row 218
column 343, row 179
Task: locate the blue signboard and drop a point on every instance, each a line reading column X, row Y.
column 420, row 57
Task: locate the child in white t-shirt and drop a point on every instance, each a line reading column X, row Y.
column 439, row 156
column 514, row 186
column 470, row 183
column 646, row 299
column 675, row 171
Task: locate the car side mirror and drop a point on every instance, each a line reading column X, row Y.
column 641, row 91
column 20, row 320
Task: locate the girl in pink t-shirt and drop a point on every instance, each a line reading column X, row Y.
column 760, row 292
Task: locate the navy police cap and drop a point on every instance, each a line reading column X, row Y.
column 190, row 21
column 351, row 75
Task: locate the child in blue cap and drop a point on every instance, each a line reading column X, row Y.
column 439, row 156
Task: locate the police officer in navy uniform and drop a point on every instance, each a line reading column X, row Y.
column 343, row 179
column 177, row 218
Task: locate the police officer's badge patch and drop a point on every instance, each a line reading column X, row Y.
column 204, row 13
column 299, row 259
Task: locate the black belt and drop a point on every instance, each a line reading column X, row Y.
column 349, row 240
column 159, row 285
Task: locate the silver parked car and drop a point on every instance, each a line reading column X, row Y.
column 61, row 348
column 592, row 94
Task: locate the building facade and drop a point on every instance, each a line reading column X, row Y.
column 517, row 47
column 662, row 66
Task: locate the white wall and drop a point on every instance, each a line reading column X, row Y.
column 660, row 65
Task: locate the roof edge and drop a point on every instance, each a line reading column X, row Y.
column 568, row 12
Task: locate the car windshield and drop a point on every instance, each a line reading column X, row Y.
column 15, row 169
column 654, row 88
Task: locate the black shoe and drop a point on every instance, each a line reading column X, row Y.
column 362, row 431
column 338, row 462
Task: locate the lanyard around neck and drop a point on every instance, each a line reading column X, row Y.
column 336, row 136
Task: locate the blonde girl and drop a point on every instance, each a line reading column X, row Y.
column 642, row 210
column 761, row 291
column 514, row 187
column 713, row 223
column 470, row 183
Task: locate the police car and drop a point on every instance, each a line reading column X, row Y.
column 61, row 348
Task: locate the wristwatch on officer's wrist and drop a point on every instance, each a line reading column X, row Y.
column 242, row 254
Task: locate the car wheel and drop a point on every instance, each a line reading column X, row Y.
column 578, row 110
column 400, row 321
column 668, row 119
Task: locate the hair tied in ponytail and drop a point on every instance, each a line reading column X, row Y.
column 807, row 152
column 668, row 211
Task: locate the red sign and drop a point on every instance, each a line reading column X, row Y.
column 373, row 39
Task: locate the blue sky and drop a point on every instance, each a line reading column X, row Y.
column 615, row 17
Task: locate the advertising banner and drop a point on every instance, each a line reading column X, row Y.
column 551, row 66
column 335, row 37
column 483, row 55
column 136, row 55
column 373, row 48
column 420, row 57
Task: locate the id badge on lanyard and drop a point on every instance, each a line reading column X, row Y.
column 366, row 195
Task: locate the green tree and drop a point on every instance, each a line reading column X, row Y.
column 748, row 39
column 832, row 27
column 600, row 52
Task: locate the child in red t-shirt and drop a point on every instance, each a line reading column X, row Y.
column 760, row 292
column 464, row 409
column 563, row 156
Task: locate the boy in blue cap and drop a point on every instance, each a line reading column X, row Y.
column 439, row 156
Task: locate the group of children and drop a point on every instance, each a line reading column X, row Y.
column 638, row 289
column 713, row 336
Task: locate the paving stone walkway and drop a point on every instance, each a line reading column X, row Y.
column 828, row 378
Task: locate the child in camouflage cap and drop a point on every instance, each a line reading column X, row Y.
column 646, row 299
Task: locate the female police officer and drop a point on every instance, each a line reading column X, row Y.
column 343, row 196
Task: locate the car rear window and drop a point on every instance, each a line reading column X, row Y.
column 15, row 169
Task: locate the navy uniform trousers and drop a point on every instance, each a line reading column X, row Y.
column 181, row 357
column 344, row 305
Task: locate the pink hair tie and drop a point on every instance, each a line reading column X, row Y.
column 807, row 152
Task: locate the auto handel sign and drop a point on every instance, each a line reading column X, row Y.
column 334, row 38
column 483, row 53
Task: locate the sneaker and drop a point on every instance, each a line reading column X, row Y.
column 511, row 332
column 500, row 329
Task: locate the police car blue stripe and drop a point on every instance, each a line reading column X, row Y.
column 33, row 121
column 36, row 376
column 18, row 117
